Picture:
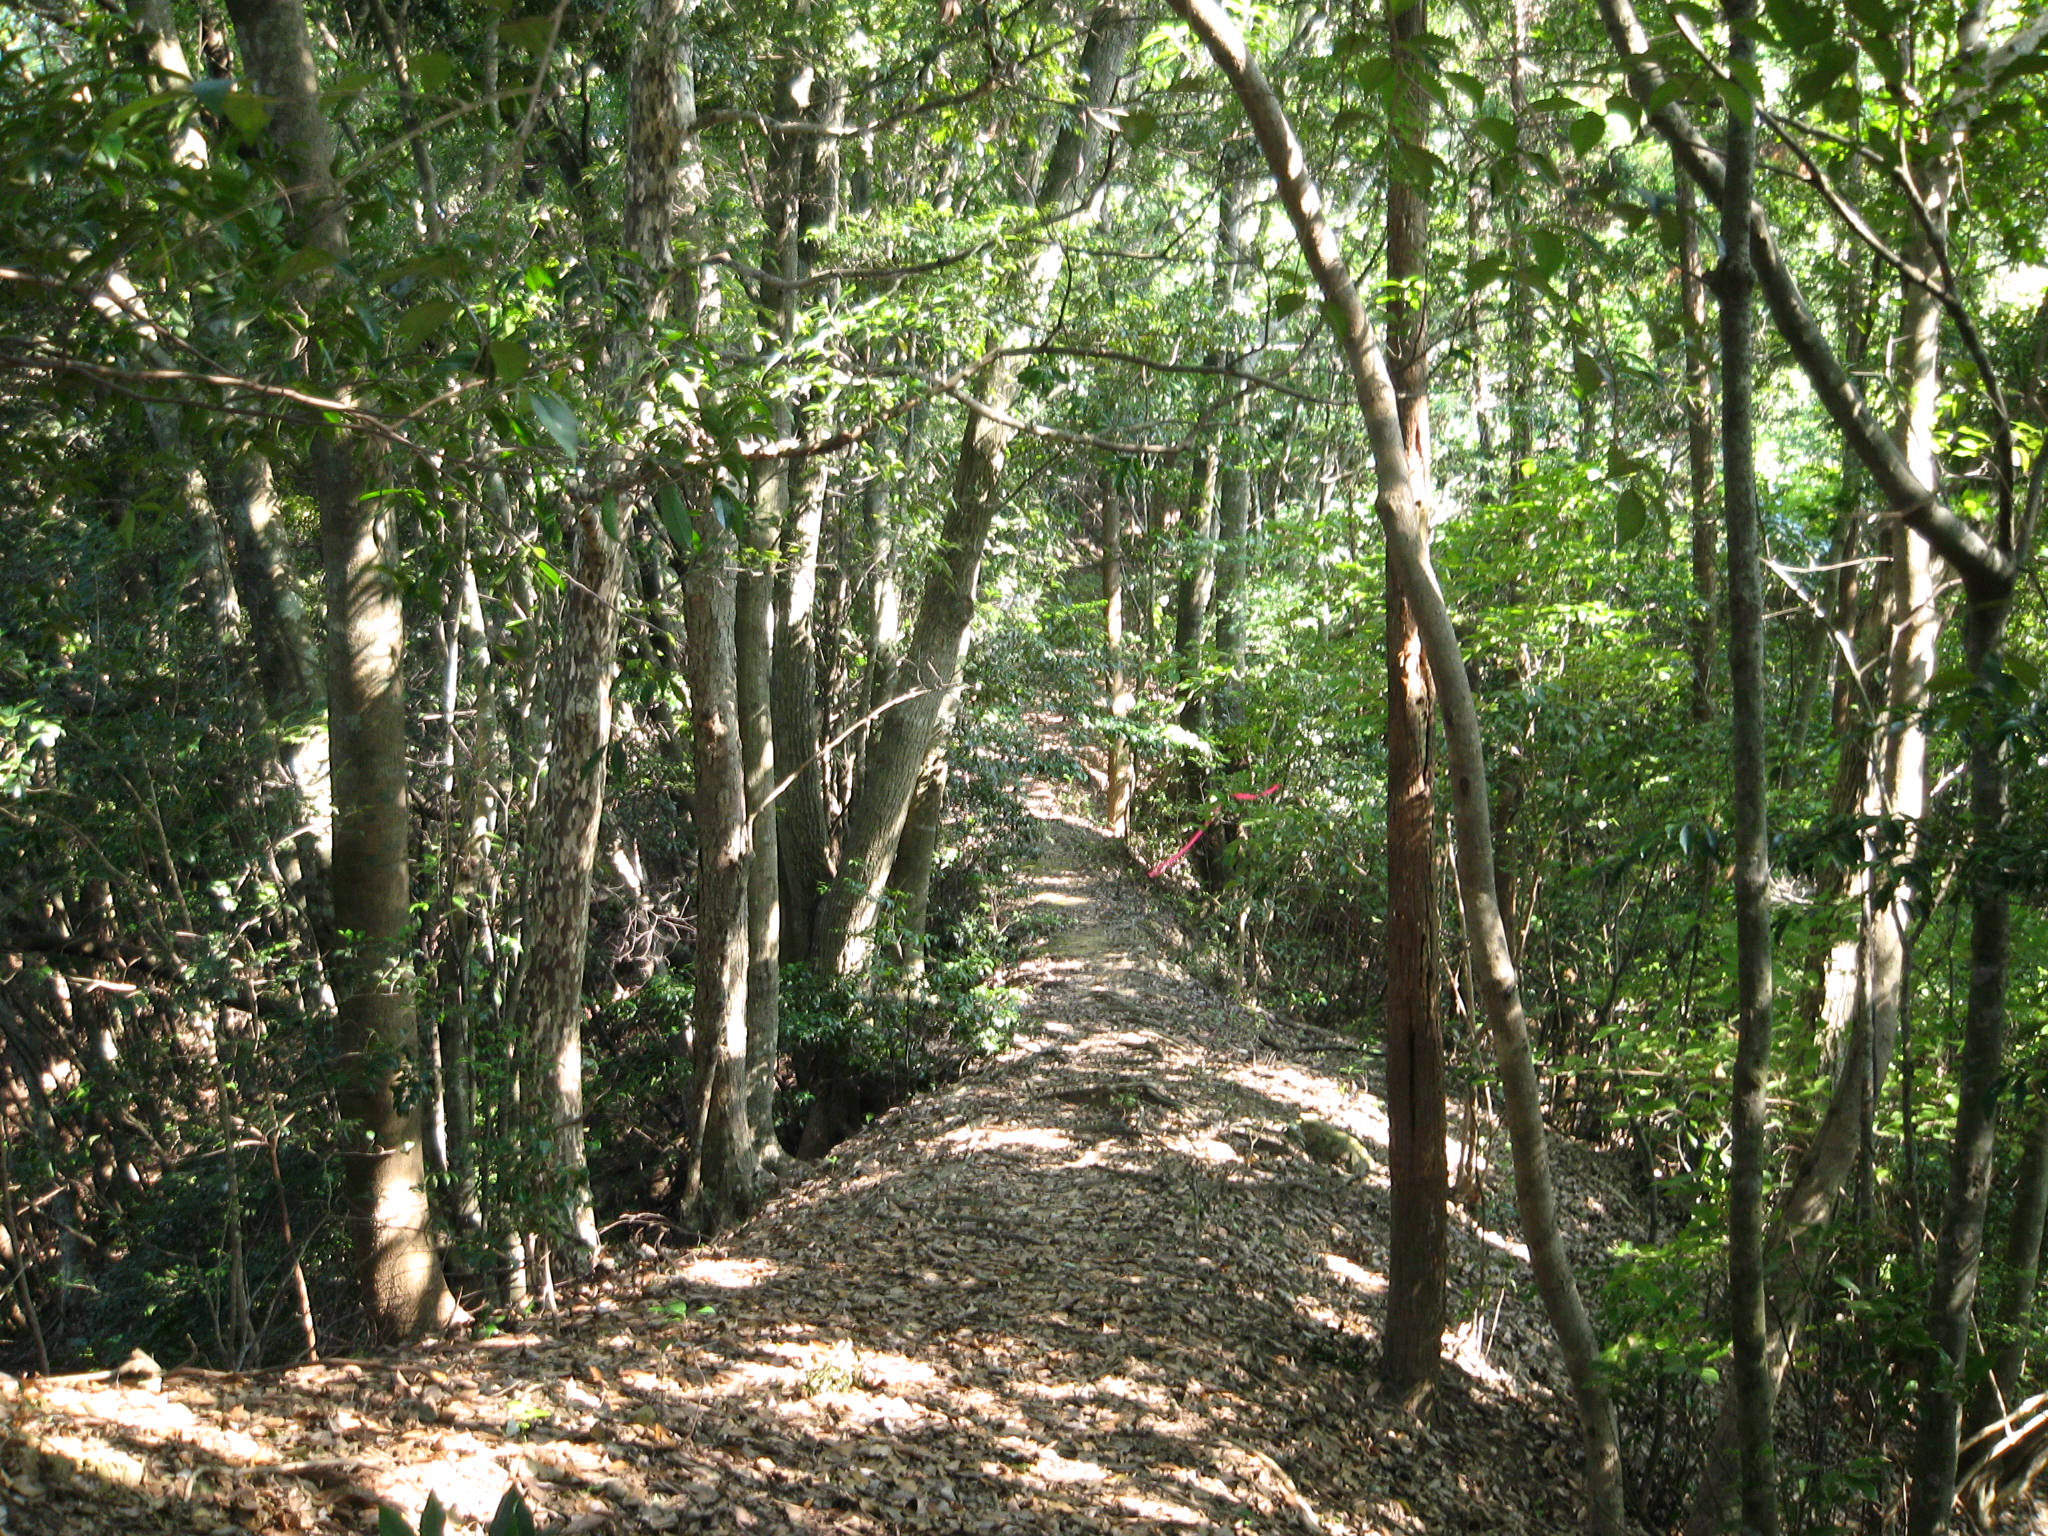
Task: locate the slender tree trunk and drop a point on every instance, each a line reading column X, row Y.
column 903, row 738
column 755, row 644
column 398, row 1270
column 1417, row 1238
column 1959, row 1249
column 724, row 1173
column 804, row 831
column 1989, row 567
column 1753, row 966
column 2000, row 1390
column 1493, row 969
column 1117, row 779
column 1699, row 449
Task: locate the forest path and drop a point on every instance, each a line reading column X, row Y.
column 1097, row 1285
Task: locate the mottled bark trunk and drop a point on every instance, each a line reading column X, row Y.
column 1492, row 967
column 1418, row 1226
column 398, row 1270
column 917, row 855
column 561, row 850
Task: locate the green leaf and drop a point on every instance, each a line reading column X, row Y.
column 1502, row 134
column 529, row 34
column 1587, row 131
column 1631, row 516
column 1547, row 250
column 1350, row 120
column 675, row 517
column 301, row 263
column 557, row 420
column 1471, row 87
column 1289, row 304
column 433, row 1519
column 1587, row 372
column 1139, row 127
column 431, row 72
column 246, row 112
column 513, row 1517
column 422, row 320
column 510, row 359
column 391, row 1523
column 607, row 514
column 354, row 83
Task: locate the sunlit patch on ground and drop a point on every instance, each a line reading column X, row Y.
column 992, row 1138
column 726, row 1274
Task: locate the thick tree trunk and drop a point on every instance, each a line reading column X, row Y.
column 1747, row 705
column 1493, row 969
column 1418, row 1227
column 398, row 1270
column 561, row 848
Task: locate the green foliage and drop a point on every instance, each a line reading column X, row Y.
column 513, row 1518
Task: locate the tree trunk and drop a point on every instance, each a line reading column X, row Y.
column 903, row 738
column 1989, row 568
column 1493, row 969
column 561, row 848
column 2000, row 1391
column 1699, row 450
column 722, row 1185
column 754, row 617
column 1418, row 1226
column 398, row 1270
column 1117, row 778
column 1747, row 704
column 1959, row 1249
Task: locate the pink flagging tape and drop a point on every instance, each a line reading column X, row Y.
column 1188, row 847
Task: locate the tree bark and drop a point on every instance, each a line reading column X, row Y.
column 723, row 1180
column 2000, row 1390
column 1116, row 805
column 754, row 618
column 1493, row 969
column 1736, row 286
column 1699, row 450
column 1418, row 1226
column 398, row 1270
column 903, row 738
column 561, row 848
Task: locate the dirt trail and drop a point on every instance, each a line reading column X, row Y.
column 1098, row 1285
